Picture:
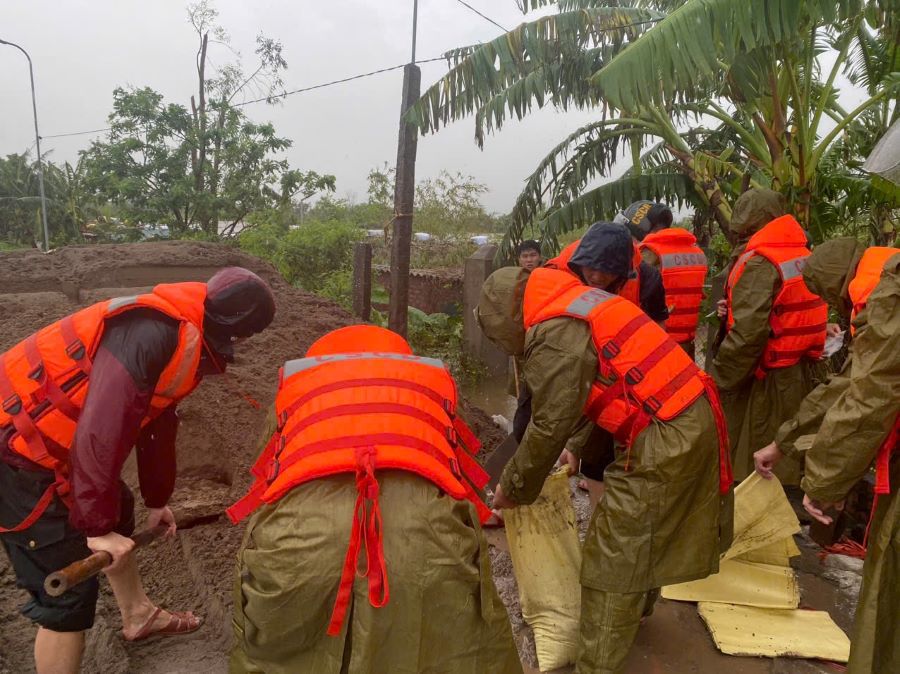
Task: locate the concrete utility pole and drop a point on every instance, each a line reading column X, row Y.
column 37, row 141
column 404, row 193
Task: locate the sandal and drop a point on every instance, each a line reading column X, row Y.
column 181, row 622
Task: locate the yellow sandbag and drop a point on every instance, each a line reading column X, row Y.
column 745, row 630
column 743, row 583
column 546, row 558
column 778, row 553
column 762, row 516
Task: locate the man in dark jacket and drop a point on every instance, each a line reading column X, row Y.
column 134, row 350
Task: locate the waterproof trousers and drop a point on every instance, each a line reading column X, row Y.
column 609, row 626
column 443, row 617
column 875, row 642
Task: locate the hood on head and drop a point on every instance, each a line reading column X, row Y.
column 499, row 310
column 238, row 304
column 829, row 270
column 754, row 209
column 605, row 247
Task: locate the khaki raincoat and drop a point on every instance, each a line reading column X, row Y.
column 658, row 523
column 853, row 414
column 444, row 615
column 755, row 408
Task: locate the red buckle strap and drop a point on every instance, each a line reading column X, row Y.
column 636, row 374
column 471, row 443
column 446, row 405
column 51, row 391
column 726, row 474
column 684, row 311
column 802, row 330
column 355, row 409
column 804, row 305
column 367, row 530
column 883, row 461
column 612, row 348
column 691, row 290
column 374, row 439
column 75, row 348
column 21, row 420
column 39, row 508
column 681, row 379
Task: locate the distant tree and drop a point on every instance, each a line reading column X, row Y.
column 200, row 165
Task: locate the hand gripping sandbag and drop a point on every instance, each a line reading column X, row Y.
column 546, row 557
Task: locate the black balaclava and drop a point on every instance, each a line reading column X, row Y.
column 238, row 304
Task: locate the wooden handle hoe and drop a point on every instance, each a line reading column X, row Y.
column 61, row 581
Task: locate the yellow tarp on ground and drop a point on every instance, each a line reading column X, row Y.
column 762, row 516
column 745, row 630
column 740, row 582
column 546, row 558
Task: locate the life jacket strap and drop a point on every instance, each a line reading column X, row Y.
column 59, row 487
column 366, row 531
column 23, row 423
column 726, row 474
column 883, row 461
column 75, row 349
column 51, row 391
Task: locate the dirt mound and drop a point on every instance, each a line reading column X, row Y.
column 217, row 439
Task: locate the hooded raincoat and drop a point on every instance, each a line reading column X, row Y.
column 853, row 414
column 438, row 565
column 755, row 408
column 659, row 521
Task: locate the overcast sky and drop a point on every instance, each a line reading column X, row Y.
column 83, row 49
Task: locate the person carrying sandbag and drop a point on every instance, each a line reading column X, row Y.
column 591, row 355
column 366, row 552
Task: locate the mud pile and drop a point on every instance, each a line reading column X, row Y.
column 217, row 440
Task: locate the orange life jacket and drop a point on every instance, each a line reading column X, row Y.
column 643, row 374
column 868, row 274
column 798, row 317
column 631, row 290
column 359, row 413
column 44, row 380
column 683, row 267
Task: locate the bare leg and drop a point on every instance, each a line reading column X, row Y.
column 58, row 652
column 134, row 604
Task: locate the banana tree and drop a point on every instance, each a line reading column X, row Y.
column 725, row 93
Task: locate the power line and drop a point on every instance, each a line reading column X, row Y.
column 76, row 133
column 486, row 18
column 333, row 82
column 353, row 77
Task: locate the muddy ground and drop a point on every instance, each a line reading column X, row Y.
column 217, row 443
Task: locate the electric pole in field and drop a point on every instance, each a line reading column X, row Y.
column 37, row 141
column 404, row 193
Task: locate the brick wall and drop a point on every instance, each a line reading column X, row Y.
column 430, row 290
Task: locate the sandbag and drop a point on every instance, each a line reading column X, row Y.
column 546, row 558
column 499, row 310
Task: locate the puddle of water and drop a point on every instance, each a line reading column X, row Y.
column 490, row 395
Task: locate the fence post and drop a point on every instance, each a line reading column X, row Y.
column 478, row 267
column 362, row 280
